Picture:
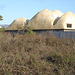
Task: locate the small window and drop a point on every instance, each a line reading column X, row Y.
column 69, row 25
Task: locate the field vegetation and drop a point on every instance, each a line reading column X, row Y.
column 33, row 54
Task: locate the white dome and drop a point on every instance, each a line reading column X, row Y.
column 67, row 18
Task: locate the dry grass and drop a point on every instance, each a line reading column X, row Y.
column 33, row 54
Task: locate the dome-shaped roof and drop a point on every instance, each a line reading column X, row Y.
column 42, row 20
column 68, row 17
column 18, row 24
column 68, row 14
column 58, row 13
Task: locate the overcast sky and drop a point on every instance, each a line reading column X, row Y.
column 13, row 9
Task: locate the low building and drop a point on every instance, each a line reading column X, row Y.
column 46, row 20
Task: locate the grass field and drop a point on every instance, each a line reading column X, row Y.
column 33, row 54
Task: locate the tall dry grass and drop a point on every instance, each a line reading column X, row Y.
column 33, row 54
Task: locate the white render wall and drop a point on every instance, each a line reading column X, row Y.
column 0, row 26
column 69, row 20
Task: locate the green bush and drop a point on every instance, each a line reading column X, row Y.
column 26, row 30
column 2, row 29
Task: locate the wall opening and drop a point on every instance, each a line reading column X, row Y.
column 69, row 25
column 55, row 21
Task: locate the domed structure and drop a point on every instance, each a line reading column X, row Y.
column 67, row 21
column 42, row 20
column 46, row 19
column 18, row 24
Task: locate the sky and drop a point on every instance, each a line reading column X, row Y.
column 13, row 9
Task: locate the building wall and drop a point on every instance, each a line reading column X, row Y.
column 66, row 23
column 0, row 26
column 70, row 21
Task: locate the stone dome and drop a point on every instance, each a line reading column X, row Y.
column 18, row 24
column 42, row 20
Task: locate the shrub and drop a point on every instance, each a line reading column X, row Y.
column 33, row 54
column 2, row 29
